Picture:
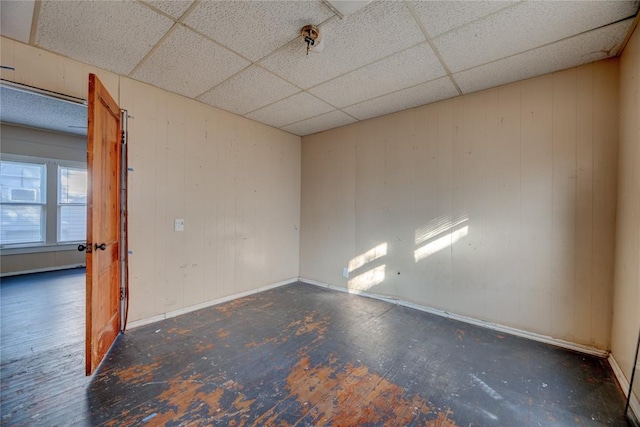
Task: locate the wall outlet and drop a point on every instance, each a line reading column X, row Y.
column 179, row 224
column 345, row 272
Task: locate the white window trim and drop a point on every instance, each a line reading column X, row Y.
column 51, row 207
column 59, row 204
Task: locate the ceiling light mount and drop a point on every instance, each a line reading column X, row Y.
column 311, row 36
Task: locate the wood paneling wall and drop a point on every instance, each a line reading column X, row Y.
column 499, row 205
column 235, row 182
column 626, row 307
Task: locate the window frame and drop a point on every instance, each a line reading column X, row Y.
column 42, row 203
column 51, row 243
column 60, row 204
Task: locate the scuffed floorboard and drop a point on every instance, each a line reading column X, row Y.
column 305, row 356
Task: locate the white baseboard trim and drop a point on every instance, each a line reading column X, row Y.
column 490, row 325
column 41, row 270
column 634, row 404
column 185, row 310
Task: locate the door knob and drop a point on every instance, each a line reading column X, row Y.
column 81, row 248
column 102, row 246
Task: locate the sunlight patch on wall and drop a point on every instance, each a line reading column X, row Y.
column 368, row 279
column 367, row 257
column 437, row 226
column 439, row 244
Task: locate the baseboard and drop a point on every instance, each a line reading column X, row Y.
column 41, row 270
column 154, row 319
column 634, row 404
column 490, row 325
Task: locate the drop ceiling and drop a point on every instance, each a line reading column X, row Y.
column 25, row 108
column 247, row 57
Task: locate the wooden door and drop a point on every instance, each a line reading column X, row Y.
column 103, row 223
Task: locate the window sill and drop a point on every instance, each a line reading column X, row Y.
column 38, row 248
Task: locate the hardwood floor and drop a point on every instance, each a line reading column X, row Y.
column 42, row 347
column 296, row 355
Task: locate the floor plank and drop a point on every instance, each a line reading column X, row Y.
column 295, row 355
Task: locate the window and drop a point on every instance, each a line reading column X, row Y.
column 22, row 203
column 72, row 204
column 43, row 202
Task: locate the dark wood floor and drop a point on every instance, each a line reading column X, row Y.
column 296, row 355
column 41, row 347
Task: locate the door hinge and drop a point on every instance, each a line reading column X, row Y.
column 124, row 137
column 123, row 294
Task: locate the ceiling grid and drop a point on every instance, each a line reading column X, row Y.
column 248, row 57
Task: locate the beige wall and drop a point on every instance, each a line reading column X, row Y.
column 41, row 261
column 499, row 205
column 234, row 181
column 37, row 143
column 626, row 305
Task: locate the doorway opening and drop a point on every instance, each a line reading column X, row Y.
column 47, row 186
column 43, row 181
column 43, row 205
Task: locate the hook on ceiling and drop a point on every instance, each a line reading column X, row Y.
column 311, row 36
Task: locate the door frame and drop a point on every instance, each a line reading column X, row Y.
column 124, row 228
column 123, row 208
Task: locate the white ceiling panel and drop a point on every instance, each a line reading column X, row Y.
column 316, row 124
column 15, row 19
column 581, row 49
column 111, row 35
column 174, row 8
column 348, row 7
column 441, row 16
column 380, row 29
column 249, row 90
column 526, row 26
column 34, row 110
column 415, row 65
column 256, row 28
column 189, row 64
column 248, row 57
column 425, row 93
column 293, row 109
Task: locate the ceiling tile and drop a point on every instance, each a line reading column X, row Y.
column 526, row 26
column 249, row 90
column 380, row 29
column 348, row 7
column 581, row 49
column 375, row 61
column 441, row 16
column 101, row 33
column 40, row 111
column 15, row 19
column 408, row 98
column 416, row 65
column 326, row 121
column 189, row 64
column 291, row 110
column 256, row 28
column 174, row 8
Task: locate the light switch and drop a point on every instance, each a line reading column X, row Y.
column 179, row 224
column 345, row 272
